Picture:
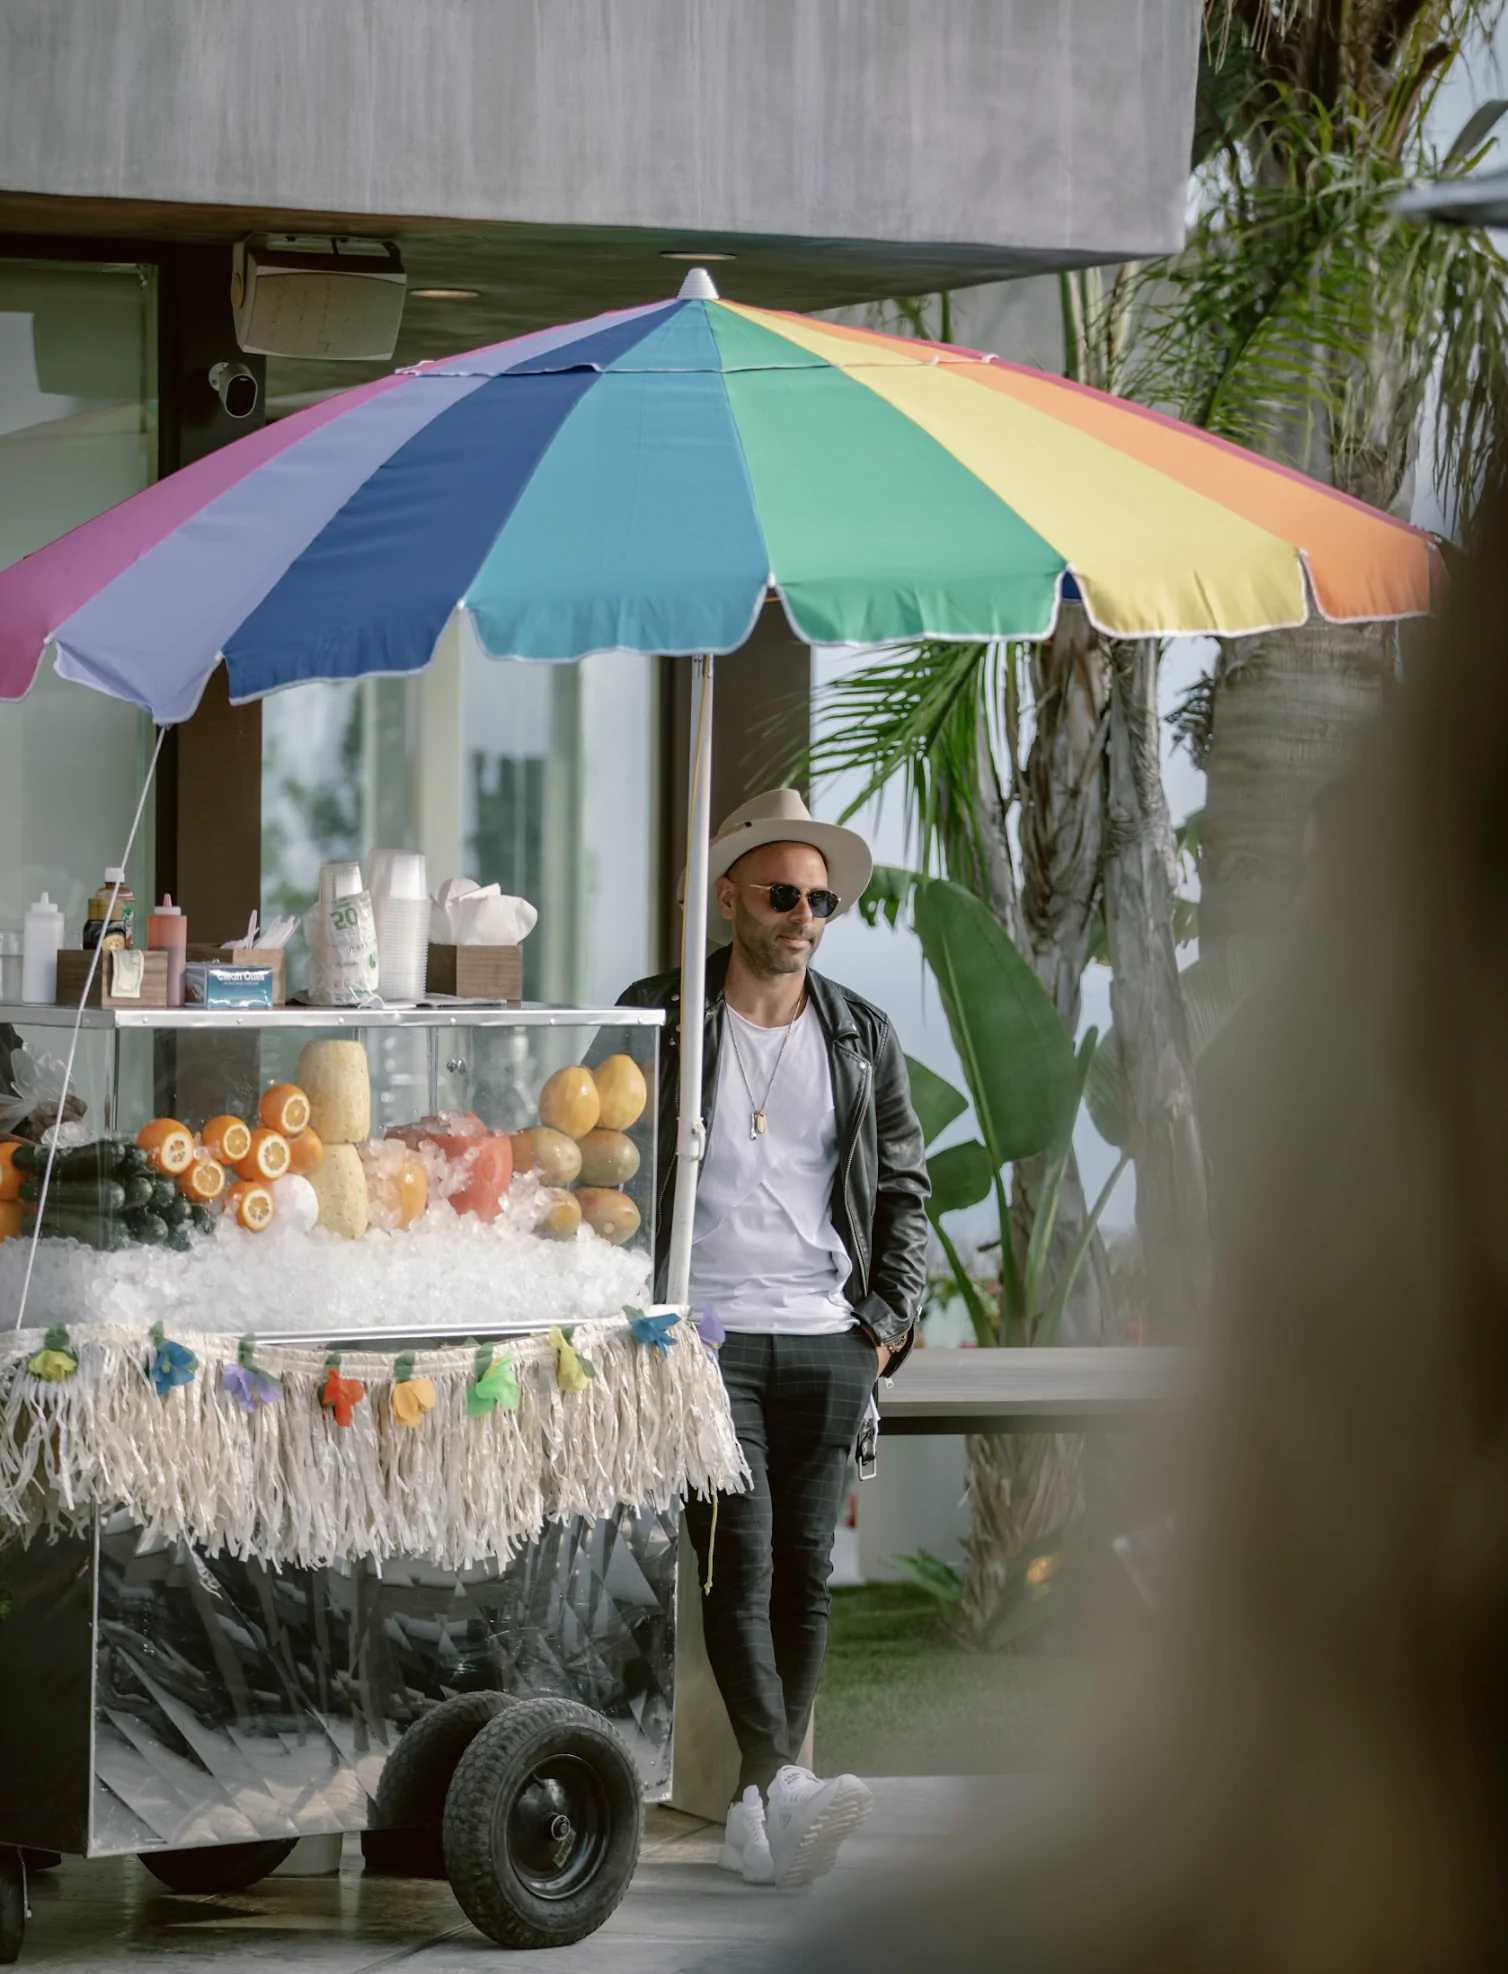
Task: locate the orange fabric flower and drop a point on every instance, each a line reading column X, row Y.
column 342, row 1395
column 412, row 1399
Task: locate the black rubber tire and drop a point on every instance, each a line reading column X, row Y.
column 543, row 1825
column 409, row 1806
column 12, row 1907
column 217, row 1867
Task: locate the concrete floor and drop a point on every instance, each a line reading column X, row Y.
column 681, row 1913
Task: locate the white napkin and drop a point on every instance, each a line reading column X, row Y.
column 464, row 913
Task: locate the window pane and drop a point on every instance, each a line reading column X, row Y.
column 539, row 778
column 78, row 432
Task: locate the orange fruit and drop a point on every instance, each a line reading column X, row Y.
column 267, row 1157
column 10, row 1178
column 226, row 1139
column 284, row 1108
column 168, row 1144
column 12, row 1220
column 413, row 1189
column 251, row 1205
column 305, row 1151
column 204, row 1180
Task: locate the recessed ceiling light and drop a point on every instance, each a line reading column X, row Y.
column 446, row 294
column 689, row 253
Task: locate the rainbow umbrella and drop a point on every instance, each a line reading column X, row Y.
column 642, row 481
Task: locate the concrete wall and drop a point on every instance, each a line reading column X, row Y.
column 1052, row 126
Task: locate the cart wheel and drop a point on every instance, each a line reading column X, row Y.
column 12, row 1906
column 410, row 1800
column 543, row 1824
column 217, row 1867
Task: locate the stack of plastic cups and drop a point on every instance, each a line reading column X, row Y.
column 399, row 883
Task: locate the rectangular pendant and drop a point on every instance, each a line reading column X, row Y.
column 757, row 1126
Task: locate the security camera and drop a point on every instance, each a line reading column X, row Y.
column 235, row 387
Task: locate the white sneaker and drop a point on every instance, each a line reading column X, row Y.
column 808, row 1819
column 746, row 1849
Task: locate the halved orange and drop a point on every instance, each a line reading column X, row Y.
column 226, row 1139
column 306, row 1151
column 10, row 1178
column 204, row 1180
column 284, row 1108
column 267, row 1157
column 251, row 1205
column 12, row 1219
column 168, row 1144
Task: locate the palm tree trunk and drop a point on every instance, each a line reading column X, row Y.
column 1062, row 832
column 1289, row 708
column 1172, row 1213
column 1020, row 1487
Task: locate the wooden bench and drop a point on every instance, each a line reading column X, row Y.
column 1042, row 1391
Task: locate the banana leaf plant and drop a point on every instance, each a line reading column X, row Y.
column 1026, row 1083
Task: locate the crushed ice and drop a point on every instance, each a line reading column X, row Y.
column 445, row 1272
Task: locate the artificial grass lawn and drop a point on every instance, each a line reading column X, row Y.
column 898, row 1699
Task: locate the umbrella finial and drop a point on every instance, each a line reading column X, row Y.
column 698, row 286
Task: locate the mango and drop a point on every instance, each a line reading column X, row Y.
column 561, row 1218
column 556, row 1157
column 569, row 1102
column 607, row 1158
column 622, row 1092
column 610, row 1215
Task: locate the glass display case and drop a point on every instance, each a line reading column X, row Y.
column 321, row 1173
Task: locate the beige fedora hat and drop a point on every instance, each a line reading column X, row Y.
column 780, row 816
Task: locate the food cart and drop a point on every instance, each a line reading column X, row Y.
column 344, row 1529
column 642, row 481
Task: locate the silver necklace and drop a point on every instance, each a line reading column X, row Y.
column 758, row 1122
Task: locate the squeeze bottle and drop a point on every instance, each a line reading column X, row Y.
column 167, row 932
column 39, row 951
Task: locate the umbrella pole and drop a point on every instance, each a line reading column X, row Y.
column 690, row 1135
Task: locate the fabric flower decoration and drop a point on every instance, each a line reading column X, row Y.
column 250, row 1387
column 341, row 1395
column 412, row 1397
column 572, row 1372
column 654, row 1331
column 55, row 1361
column 709, row 1327
column 173, row 1364
column 496, row 1385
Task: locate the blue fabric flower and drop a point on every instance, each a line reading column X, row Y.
column 654, row 1330
column 173, row 1364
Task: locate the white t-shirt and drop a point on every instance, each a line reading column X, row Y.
column 764, row 1251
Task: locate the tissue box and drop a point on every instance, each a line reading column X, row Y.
column 73, row 966
column 208, row 985
column 476, row 973
column 272, row 956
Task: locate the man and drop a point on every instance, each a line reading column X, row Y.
column 810, row 1244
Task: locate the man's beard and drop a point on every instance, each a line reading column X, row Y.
column 761, row 947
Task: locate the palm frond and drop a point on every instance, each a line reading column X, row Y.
column 923, row 715
column 1309, row 320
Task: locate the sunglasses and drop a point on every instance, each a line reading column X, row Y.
column 786, row 897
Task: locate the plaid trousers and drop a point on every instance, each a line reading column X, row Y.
column 797, row 1404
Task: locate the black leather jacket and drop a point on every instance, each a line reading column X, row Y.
column 880, row 1195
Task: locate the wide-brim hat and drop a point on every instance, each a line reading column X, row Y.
column 780, row 816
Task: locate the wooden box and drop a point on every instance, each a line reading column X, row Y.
column 273, row 956
column 476, row 973
column 73, row 966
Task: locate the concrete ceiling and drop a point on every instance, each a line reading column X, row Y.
column 527, row 277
